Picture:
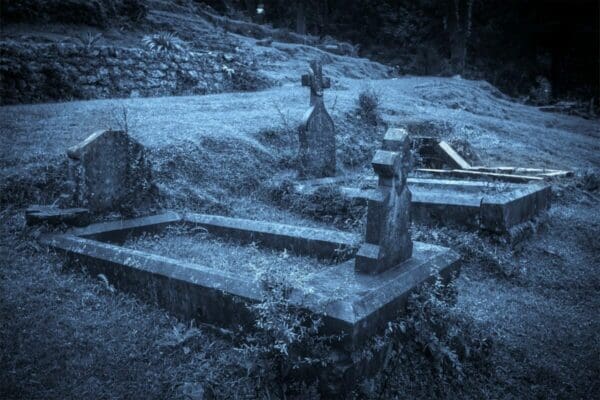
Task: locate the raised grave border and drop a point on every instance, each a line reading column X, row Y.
column 354, row 305
column 491, row 206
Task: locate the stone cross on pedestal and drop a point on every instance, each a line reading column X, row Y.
column 316, row 81
column 317, row 132
column 388, row 242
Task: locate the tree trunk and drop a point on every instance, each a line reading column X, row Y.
column 250, row 8
column 300, row 17
column 323, row 16
column 459, row 30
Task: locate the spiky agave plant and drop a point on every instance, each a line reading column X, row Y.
column 163, row 42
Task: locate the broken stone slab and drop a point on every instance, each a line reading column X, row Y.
column 451, row 156
column 492, row 176
column 110, row 171
column 52, row 215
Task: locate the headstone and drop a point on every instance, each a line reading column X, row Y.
column 317, row 132
column 109, row 171
column 387, row 241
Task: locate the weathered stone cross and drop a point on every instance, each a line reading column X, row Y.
column 316, row 81
column 317, row 132
column 387, row 241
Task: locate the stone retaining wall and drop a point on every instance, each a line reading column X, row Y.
column 31, row 73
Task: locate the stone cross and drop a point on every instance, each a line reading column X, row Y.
column 317, row 132
column 316, row 81
column 388, row 242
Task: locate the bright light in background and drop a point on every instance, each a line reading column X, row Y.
column 260, row 9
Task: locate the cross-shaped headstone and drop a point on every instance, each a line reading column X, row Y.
column 387, row 241
column 317, row 132
column 315, row 80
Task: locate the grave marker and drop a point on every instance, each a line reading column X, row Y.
column 387, row 241
column 110, row 171
column 317, row 132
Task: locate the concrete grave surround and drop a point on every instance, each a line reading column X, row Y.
column 53, row 215
column 317, row 132
column 387, row 240
column 356, row 306
column 109, row 171
column 491, row 206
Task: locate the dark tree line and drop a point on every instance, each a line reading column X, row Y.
column 514, row 44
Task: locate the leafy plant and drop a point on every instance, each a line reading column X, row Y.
column 430, row 339
column 88, row 39
column 286, row 341
column 164, row 42
column 368, row 105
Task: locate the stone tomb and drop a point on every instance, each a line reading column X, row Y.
column 109, row 171
column 317, row 132
column 491, row 206
column 353, row 304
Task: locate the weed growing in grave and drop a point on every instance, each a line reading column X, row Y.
column 432, row 342
column 166, row 42
column 120, row 118
column 286, row 349
column 368, row 105
column 87, row 40
column 326, row 204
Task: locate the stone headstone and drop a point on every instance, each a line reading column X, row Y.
column 387, row 241
column 317, row 132
column 110, row 171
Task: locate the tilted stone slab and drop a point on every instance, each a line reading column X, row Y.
column 320, row 243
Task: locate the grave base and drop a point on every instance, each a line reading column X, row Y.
column 490, row 206
column 356, row 306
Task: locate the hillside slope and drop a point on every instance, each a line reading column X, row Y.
column 521, row 324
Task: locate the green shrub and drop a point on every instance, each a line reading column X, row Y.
column 430, row 342
column 369, row 101
column 286, row 350
column 164, row 42
column 326, row 204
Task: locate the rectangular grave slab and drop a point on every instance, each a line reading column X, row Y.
column 356, row 306
column 492, row 206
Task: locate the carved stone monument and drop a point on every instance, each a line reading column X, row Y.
column 388, row 242
column 109, row 171
column 317, row 132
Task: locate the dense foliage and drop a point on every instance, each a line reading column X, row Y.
column 514, row 44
